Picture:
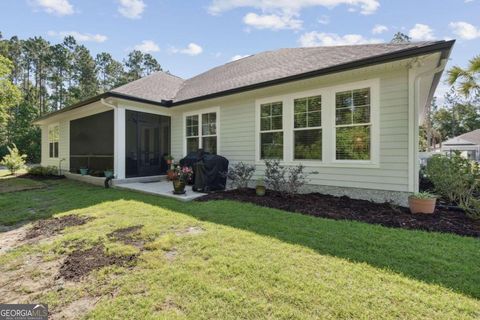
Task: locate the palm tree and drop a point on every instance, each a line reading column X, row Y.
column 468, row 80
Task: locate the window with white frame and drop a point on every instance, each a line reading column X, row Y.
column 201, row 132
column 53, row 140
column 353, row 125
column 307, row 128
column 271, row 130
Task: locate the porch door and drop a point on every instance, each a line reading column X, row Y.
column 147, row 144
column 149, row 150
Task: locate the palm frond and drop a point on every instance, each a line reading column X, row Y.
column 474, row 64
column 455, row 73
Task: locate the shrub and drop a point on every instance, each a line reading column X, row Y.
column 456, row 179
column 240, row 174
column 43, row 171
column 14, row 161
column 287, row 181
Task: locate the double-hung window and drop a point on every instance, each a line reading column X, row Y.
column 271, row 130
column 201, row 132
column 307, row 128
column 53, row 140
column 353, row 125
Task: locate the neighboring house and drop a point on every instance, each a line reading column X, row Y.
column 468, row 144
column 348, row 113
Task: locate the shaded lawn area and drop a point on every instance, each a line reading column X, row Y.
column 250, row 262
column 10, row 183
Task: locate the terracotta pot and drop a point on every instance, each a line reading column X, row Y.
column 178, row 186
column 260, row 190
column 169, row 162
column 421, row 205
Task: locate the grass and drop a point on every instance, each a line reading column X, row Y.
column 249, row 262
column 10, row 183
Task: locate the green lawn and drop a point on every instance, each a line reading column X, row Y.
column 249, row 262
column 10, row 183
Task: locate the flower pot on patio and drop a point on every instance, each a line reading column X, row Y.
column 83, row 171
column 171, row 175
column 422, row 202
column 108, row 173
column 178, row 186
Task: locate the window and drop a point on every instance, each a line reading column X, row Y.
column 201, row 132
column 353, row 125
column 271, row 131
column 307, row 130
column 53, row 139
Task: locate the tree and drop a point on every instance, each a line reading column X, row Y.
column 9, row 93
column 468, row 79
column 150, row 64
column 110, row 72
column 84, row 74
column 134, row 64
column 400, row 38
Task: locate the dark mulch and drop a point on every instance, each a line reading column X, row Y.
column 50, row 227
column 41, row 178
column 128, row 236
column 345, row 208
column 81, row 262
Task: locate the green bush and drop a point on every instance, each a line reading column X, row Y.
column 457, row 180
column 43, row 171
column 14, row 161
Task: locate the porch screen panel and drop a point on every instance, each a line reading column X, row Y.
column 91, row 142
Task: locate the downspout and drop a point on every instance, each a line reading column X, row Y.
column 108, row 180
column 416, row 104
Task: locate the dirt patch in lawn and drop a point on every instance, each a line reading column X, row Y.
column 50, row 227
column 345, row 208
column 16, row 184
column 129, row 235
column 40, row 177
column 81, row 262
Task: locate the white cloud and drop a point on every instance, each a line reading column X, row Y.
column 379, row 28
column 81, row 37
column 192, row 49
column 314, row 38
column 465, row 30
column 57, row 7
column 238, row 57
column 147, row 46
column 468, row 1
column 421, row 32
column 291, row 7
column 272, row 21
column 131, row 9
column 324, row 19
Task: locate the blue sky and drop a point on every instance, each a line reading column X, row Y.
column 189, row 37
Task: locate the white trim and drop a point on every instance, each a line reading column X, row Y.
column 328, row 125
column 199, row 113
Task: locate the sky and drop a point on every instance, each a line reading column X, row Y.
column 190, row 37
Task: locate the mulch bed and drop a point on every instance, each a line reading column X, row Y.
column 345, row 208
column 128, row 236
column 41, row 178
column 50, row 227
column 81, row 262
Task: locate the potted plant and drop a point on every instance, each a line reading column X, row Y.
column 169, row 159
column 181, row 176
column 260, row 187
column 83, row 171
column 422, row 202
column 108, row 173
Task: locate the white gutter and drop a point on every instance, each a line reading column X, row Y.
column 106, row 104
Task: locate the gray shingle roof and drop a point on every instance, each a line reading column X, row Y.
column 156, row 87
column 472, row 136
column 255, row 69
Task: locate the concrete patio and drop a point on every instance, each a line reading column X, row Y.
column 160, row 188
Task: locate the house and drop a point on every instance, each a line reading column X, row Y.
column 468, row 144
column 348, row 113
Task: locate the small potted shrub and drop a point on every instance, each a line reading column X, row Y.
column 108, row 173
column 260, row 187
column 169, row 159
column 182, row 175
column 83, row 171
column 422, row 202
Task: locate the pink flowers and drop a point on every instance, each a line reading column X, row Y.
column 183, row 173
